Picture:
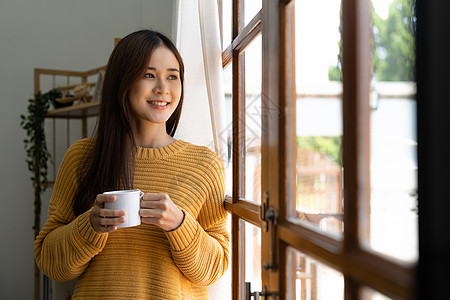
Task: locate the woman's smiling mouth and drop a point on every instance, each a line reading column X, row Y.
column 159, row 103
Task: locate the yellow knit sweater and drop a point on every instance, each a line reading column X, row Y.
column 142, row 262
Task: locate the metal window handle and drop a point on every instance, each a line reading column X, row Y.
column 249, row 294
column 256, row 295
column 263, row 212
column 269, row 217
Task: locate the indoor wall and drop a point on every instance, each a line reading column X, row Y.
column 54, row 34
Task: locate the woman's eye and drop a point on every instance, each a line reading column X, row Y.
column 173, row 77
column 149, row 75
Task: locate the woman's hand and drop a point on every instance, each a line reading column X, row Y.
column 105, row 220
column 159, row 210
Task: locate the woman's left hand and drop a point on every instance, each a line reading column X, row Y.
column 158, row 209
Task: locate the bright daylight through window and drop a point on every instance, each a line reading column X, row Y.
column 392, row 229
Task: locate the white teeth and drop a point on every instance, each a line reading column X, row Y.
column 158, row 103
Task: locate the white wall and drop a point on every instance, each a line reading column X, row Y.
column 56, row 34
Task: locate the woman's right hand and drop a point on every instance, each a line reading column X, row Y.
column 105, row 220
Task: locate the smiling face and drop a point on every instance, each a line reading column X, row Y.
column 156, row 96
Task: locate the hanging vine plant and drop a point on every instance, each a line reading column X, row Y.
column 36, row 146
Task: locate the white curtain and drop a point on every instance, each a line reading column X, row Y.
column 203, row 119
column 198, row 40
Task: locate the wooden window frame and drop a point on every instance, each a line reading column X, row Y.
column 359, row 266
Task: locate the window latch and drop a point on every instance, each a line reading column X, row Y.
column 257, row 295
column 269, row 217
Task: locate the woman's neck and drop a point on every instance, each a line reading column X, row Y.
column 154, row 136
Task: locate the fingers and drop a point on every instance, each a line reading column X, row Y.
column 158, row 209
column 102, row 198
column 105, row 220
column 106, row 224
column 155, row 200
column 155, row 196
column 111, row 221
column 111, row 213
column 153, row 213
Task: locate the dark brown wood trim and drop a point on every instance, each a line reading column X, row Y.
column 248, row 33
column 245, row 210
column 271, row 158
column 288, row 118
column 227, row 56
column 390, row 277
column 243, row 39
column 237, row 17
column 238, row 155
column 356, row 142
column 238, row 111
column 288, row 146
column 386, row 275
column 237, row 261
column 350, row 126
column 284, row 270
column 351, row 289
column 311, row 242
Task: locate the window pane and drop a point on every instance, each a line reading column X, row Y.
column 221, row 289
column 318, row 166
column 226, row 23
column 309, row 279
column 226, row 135
column 253, row 121
column 253, row 256
column 370, row 294
column 252, row 7
column 393, row 153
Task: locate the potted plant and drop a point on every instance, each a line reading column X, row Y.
column 36, row 146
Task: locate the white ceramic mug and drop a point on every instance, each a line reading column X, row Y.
column 128, row 201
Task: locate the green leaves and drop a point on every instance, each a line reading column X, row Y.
column 36, row 146
column 328, row 145
column 394, row 44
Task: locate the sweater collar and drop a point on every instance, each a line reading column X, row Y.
column 160, row 153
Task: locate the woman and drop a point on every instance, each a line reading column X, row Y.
column 181, row 246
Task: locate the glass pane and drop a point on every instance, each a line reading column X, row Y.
column 227, row 20
column 309, row 279
column 253, row 121
column 370, row 294
column 252, row 7
column 393, row 154
column 221, row 289
column 226, row 135
column 253, row 256
column 318, row 164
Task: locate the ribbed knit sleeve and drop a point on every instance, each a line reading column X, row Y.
column 67, row 243
column 200, row 246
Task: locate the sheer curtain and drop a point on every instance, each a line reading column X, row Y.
column 198, row 40
column 203, row 118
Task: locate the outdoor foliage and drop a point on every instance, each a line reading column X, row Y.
column 328, row 145
column 394, row 44
column 393, row 54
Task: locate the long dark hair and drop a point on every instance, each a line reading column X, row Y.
column 111, row 164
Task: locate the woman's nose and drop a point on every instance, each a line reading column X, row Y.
column 161, row 87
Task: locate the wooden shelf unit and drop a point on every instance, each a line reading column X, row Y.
column 76, row 111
